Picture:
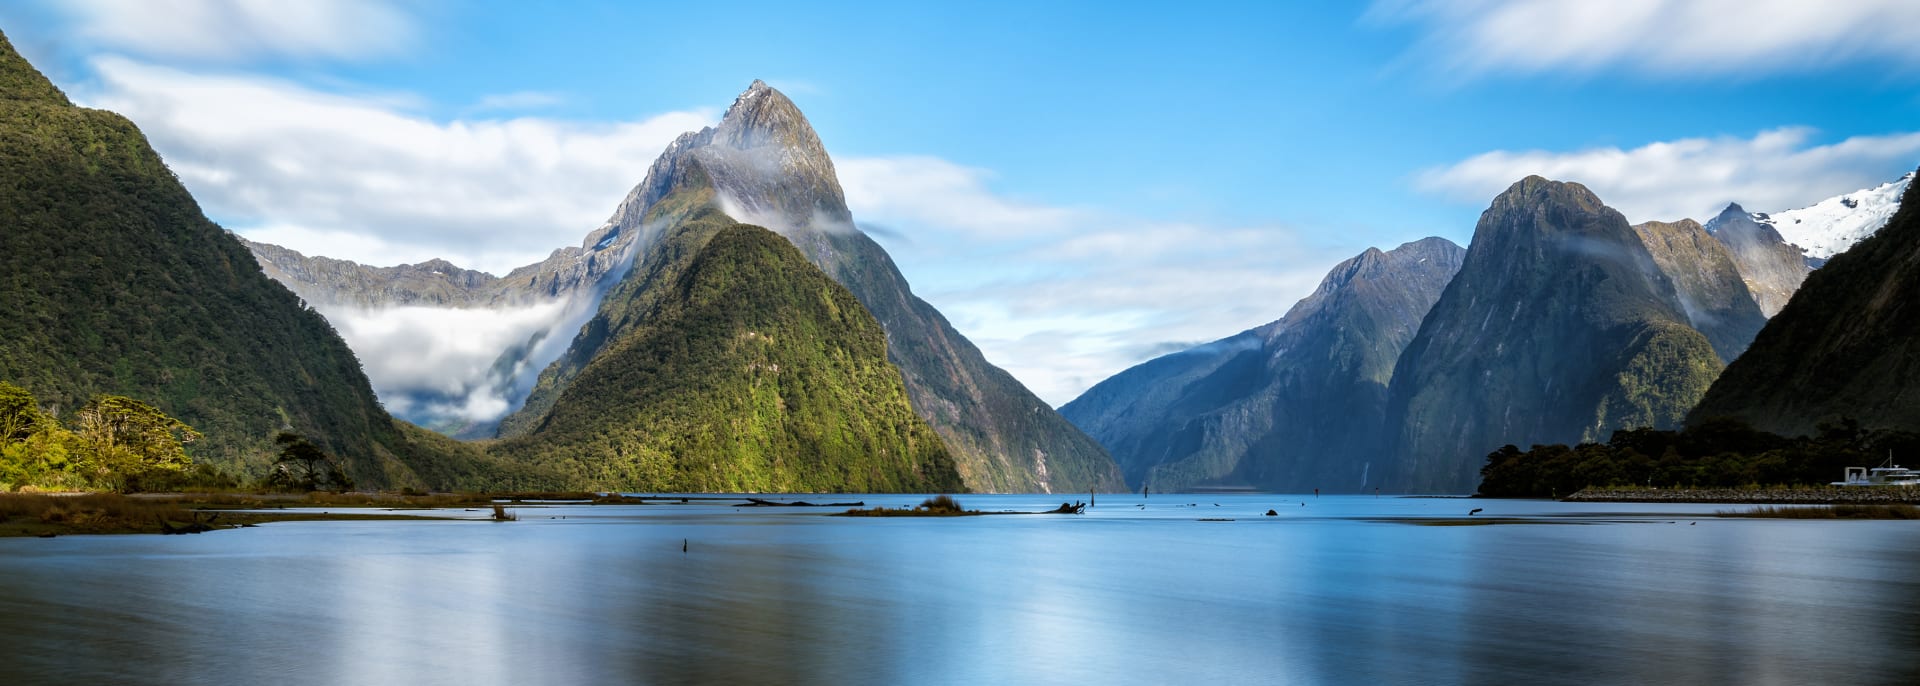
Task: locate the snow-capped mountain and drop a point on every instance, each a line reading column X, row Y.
column 1830, row 226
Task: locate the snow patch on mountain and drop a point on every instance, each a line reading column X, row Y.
column 1829, row 227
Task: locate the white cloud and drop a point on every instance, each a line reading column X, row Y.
column 1063, row 298
column 1693, row 177
column 435, row 365
column 230, row 30
column 935, row 192
column 361, row 178
column 1663, row 37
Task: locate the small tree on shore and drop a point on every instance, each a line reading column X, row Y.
column 303, row 466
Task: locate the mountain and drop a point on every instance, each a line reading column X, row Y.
column 1831, row 226
column 745, row 369
column 327, row 281
column 113, row 282
column 1771, row 268
column 1707, row 281
column 1844, row 347
column 1283, row 407
column 764, row 165
column 1559, row 327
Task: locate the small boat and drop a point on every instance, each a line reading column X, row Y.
column 1887, row 474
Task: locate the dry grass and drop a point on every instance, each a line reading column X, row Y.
column 36, row 514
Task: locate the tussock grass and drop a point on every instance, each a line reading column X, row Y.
column 36, row 514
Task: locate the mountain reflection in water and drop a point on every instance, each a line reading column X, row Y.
column 1340, row 590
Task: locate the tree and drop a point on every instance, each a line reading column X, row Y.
column 120, row 437
column 34, row 448
column 303, row 466
column 20, row 416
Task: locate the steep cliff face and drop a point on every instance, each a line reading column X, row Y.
column 1845, row 346
column 1707, row 282
column 112, row 281
column 742, row 368
column 1771, row 268
column 765, row 165
column 1559, row 327
column 1286, row 407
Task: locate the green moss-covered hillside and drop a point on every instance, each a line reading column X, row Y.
column 113, row 282
column 733, row 364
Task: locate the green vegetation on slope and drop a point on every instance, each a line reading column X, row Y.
column 733, row 364
column 113, row 282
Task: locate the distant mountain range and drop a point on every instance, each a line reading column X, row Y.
column 1282, row 407
column 731, row 328
column 1562, row 324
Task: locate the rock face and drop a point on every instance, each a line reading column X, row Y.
column 763, row 164
column 1559, row 327
column 114, row 282
column 1285, row 407
column 1771, row 268
column 1844, row 346
column 738, row 366
column 1707, row 282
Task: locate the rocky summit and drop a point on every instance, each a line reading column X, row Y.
column 1287, row 407
column 1771, row 268
column 1559, row 327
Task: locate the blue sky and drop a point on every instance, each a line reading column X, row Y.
column 1078, row 186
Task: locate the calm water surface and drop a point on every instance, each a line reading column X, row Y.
column 1338, row 590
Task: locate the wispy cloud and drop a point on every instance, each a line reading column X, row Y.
column 1064, row 297
column 936, row 192
column 1658, row 37
column 362, row 178
column 234, row 30
column 1693, row 177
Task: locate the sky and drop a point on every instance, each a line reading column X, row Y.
column 1079, row 187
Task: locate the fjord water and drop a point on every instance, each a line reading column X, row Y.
column 1335, row 590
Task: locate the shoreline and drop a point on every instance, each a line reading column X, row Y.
column 1806, row 495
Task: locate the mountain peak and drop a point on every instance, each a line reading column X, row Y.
column 763, row 116
column 1537, row 190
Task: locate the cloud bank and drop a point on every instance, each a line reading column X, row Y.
column 1693, row 177
column 362, row 178
column 1657, row 37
